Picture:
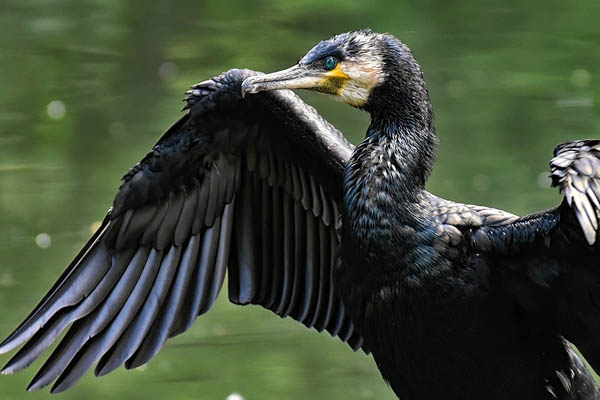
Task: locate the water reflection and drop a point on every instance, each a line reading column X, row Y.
column 87, row 88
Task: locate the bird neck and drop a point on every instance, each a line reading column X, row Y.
column 401, row 122
column 385, row 179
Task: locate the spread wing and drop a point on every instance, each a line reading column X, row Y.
column 576, row 171
column 248, row 185
column 549, row 262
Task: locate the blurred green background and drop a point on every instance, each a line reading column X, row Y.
column 87, row 87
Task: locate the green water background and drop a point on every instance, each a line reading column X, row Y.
column 86, row 88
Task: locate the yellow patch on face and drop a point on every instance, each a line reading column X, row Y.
column 337, row 72
column 333, row 81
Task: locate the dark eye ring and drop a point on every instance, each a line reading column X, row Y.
column 330, row 62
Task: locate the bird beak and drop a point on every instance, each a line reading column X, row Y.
column 296, row 77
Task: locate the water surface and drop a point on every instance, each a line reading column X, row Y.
column 88, row 86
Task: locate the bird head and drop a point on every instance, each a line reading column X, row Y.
column 347, row 67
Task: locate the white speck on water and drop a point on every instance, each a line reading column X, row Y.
column 235, row 396
column 56, row 109
column 543, row 180
column 581, row 77
column 43, row 240
column 7, row 280
column 481, row 182
column 219, row 330
column 366, row 394
column 167, row 71
column 575, row 102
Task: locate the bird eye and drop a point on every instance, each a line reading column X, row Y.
column 330, row 62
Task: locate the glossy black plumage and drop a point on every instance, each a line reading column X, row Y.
column 228, row 186
column 455, row 301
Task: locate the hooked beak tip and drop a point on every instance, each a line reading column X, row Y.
column 248, row 87
column 295, row 77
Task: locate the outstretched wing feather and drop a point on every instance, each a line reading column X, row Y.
column 229, row 185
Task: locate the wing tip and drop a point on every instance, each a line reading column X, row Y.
column 590, row 236
column 13, row 341
column 105, row 367
column 6, row 346
column 61, row 385
column 10, row 367
column 101, row 370
column 6, row 370
column 136, row 362
column 35, row 385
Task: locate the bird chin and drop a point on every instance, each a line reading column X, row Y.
column 352, row 94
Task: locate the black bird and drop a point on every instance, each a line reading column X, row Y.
column 454, row 301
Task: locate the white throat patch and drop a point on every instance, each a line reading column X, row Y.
column 363, row 78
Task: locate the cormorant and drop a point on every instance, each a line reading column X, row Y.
column 454, row 301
